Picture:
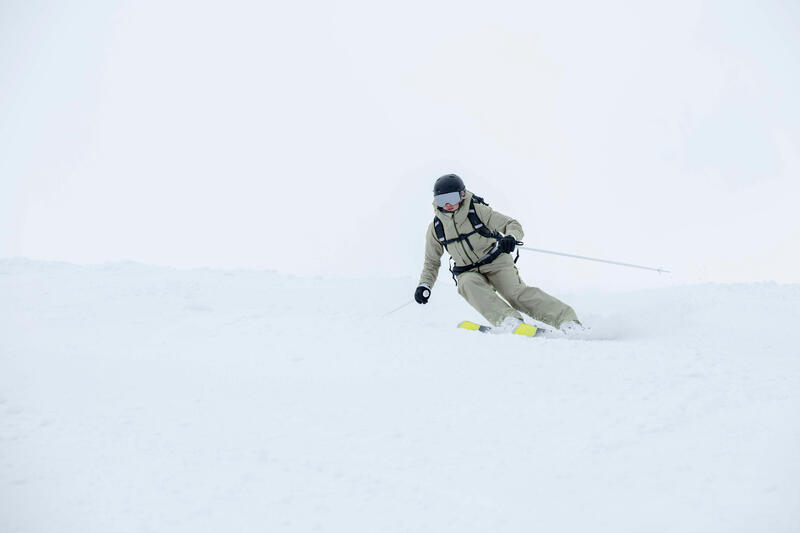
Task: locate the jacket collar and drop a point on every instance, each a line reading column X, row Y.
column 460, row 214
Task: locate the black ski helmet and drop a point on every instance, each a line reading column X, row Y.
column 448, row 183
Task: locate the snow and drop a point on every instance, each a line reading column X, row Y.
column 137, row 398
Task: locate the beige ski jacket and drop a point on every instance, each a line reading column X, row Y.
column 464, row 253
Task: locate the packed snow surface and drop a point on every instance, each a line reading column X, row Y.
column 137, row 399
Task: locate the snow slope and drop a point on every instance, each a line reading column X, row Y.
column 136, row 399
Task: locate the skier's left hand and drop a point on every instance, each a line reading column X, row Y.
column 507, row 244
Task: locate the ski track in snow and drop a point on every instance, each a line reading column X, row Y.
column 136, row 398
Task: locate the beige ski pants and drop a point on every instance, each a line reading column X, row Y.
column 484, row 286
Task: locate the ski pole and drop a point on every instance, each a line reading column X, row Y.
column 397, row 309
column 659, row 270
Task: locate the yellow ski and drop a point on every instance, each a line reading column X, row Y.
column 523, row 329
column 472, row 326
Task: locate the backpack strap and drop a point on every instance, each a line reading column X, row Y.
column 477, row 225
column 439, row 229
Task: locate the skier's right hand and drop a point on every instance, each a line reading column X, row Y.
column 422, row 294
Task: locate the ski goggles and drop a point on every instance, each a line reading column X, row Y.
column 451, row 198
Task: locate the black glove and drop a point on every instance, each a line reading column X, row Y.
column 507, row 244
column 422, row 294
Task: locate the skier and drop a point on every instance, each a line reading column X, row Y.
column 480, row 241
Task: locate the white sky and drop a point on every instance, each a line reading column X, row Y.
column 305, row 137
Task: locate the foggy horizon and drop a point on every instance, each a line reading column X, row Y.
column 307, row 141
